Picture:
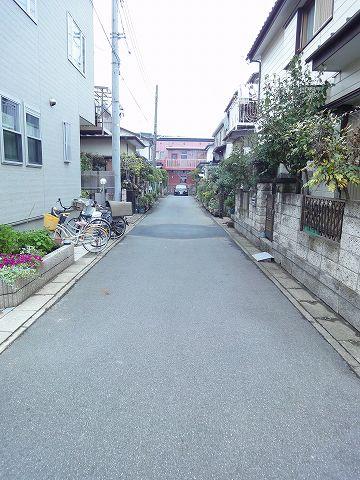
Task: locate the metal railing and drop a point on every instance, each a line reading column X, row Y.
column 248, row 110
column 322, row 217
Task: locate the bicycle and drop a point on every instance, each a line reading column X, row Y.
column 93, row 236
column 90, row 210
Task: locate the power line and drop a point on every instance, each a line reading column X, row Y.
column 103, row 29
column 122, row 26
column 132, row 34
column 118, row 59
column 143, row 114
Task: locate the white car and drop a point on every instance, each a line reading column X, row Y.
column 181, row 190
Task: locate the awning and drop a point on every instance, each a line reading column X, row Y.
column 340, row 50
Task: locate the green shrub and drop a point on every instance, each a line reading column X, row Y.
column 9, row 240
column 12, row 241
column 142, row 201
column 40, row 240
column 230, row 202
column 214, row 206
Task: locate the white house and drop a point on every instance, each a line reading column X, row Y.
column 46, row 92
column 241, row 114
column 238, row 124
column 326, row 35
column 95, row 142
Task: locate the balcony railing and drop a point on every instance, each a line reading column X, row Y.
column 181, row 163
column 322, row 217
column 248, row 110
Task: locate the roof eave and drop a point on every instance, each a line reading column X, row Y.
column 251, row 56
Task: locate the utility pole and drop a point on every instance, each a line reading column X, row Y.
column 116, row 159
column 155, row 125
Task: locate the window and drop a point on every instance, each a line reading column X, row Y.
column 11, row 131
column 312, row 17
column 307, row 24
column 67, row 142
column 183, row 155
column 34, row 150
column 174, row 156
column 324, row 11
column 29, row 6
column 76, row 45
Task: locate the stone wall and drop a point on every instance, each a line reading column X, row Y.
column 329, row 269
column 250, row 210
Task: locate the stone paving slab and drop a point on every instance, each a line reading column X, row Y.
column 353, row 347
column 302, row 295
column 340, row 330
column 15, row 319
column 287, row 282
column 4, row 336
column 34, row 303
column 276, row 271
column 5, row 311
column 51, row 288
column 64, row 277
column 318, row 310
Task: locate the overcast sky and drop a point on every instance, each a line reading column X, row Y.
column 194, row 49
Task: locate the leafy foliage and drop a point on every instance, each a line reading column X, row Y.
column 135, row 171
column 9, row 240
column 14, row 242
column 334, row 154
column 40, row 240
column 85, row 162
column 288, row 101
column 236, row 171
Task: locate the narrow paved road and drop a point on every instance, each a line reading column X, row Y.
column 175, row 358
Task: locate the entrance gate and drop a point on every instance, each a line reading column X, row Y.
column 269, row 218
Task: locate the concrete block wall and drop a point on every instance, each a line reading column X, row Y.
column 329, row 269
column 251, row 221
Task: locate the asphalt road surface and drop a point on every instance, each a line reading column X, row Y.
column 176, row 358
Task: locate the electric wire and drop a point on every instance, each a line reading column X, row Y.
column 134, row 41
column 117, row 57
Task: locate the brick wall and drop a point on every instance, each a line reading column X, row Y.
column 329, row 269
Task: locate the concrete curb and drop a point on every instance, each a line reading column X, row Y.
column 35, row 314
column 353, row 363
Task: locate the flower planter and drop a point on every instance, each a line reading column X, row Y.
column 52, row 264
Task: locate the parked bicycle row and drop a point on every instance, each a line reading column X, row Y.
column 85, row 222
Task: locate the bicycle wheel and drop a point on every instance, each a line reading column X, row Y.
column 104, row 224
column 94, row 238
column 118, row 227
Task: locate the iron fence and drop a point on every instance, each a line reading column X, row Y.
column 322, row 217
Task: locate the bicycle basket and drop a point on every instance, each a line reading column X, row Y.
column 78, row 204
column 50, row 222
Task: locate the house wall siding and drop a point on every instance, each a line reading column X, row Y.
column 34, row 67
column 281, row 49
column 103, row 146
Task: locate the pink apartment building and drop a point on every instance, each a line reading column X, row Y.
column 179, row 156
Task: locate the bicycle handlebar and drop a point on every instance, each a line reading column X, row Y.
column 62, row 206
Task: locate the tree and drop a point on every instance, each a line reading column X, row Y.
column 334, row 153
column 195, row 175
column 287, row 102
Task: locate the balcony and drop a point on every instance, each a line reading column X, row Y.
column 242, row 116
column 181, row 163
